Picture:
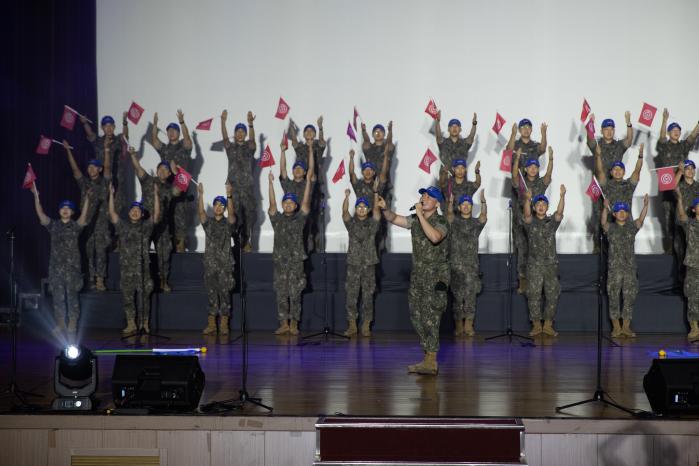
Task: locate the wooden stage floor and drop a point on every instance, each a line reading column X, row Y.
column 367, row 376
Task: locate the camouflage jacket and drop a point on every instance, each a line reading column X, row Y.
column 64, row 260
column 621, row 245
column 362, row 241
column 217, row 250
column 463, row 243
column 374, row 154
column 177, row 152
column 134, row 241
column 611, row 152
column 241, row 158
column 541, row 240
column 670, row 153
column 288, row 237
column 619, row 191
column 450, row 150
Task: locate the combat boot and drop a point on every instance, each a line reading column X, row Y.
column 351, row 329
column 616, row 329
column 694, row 333
column 548, row 328
column 210, row 326
column 179, row 246
column 626, row 329
column 536, row 328
column 223, row 326
column 413, row 368
column 522, row 289
column 429, row 366
column 366, row 328
column 283, row 327
column 130, row 327
column 72, row 325
column 164, row 285
column 145, row 327
column 294, row 327
column 99, row 284
column 247, row 247
column 458, row 327
column 468, row 328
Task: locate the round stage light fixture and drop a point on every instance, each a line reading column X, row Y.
column 75, row 379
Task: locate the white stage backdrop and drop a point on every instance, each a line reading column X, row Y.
column 534, row 59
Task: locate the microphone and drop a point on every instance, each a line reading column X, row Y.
column 412, row 208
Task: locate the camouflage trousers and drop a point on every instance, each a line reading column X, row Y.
column 669, row 227
column 521, row 247
column 427, row 299
column 96, row 245
column 465, row 285
column 219, row 282
column 163, row 249
column 595, row 223
column 360, row 278
column 542, row 278
column 289, row 283
column 64, row 291
column 246, row 205
column 691, row 291
column 180, row 217
column 135, row 295
column 679, row 243
column 622, row 282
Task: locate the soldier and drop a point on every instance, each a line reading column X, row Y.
column 288, row 253
column 218, row 258
column 369, row 183
column 621, row 262
column 162, row 231
column 134, row 260
column 99, row 175
column 297, row 183
column 65, row 278
column 454, row 147
column 691, row 261
column 687, row 188
column 241, row 156
column 542, row 262
column 458, row 185
column 382, row 146
column 361, row 260
column 618, row 189
column 671, row 153
column 536, row 185
column 179, row 151
column 611, row 150
column 463, row 260
column 530, row 149
column 429, row 279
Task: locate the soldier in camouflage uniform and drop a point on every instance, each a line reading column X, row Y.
column 369, row 182
column 691, row 261
column 615, row 187
column 453, row 147
column 288, row 253
column 241, row 156
column 463, row 260
column 429, row 279
column 382, row 147
column 621, row 262
column 457, row 185
column 671, row 153
column 531, row 150
column 611, row 150
column 97, row 238
column 542, row 263
column 218, row 258
column 65, row 278
column 179, row 151
column 361, row 260
column 134, row 261
column 296, row 184
column 534, row 184
column 688, row 189
column 377, row 156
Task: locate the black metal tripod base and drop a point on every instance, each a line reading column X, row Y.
column 326, row 333
column 246, row 398
column 233, row 404
column 509, row 334
column 141, row 332
column 597, row 397
column 12, row 391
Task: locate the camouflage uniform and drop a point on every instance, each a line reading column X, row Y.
column 97, row 227
column 361, row 267
column 530, row 151
column 240, row 165
column 289, row 185
column 457, row 190
column 450, row 151
column 463, row 264
column 691, row 261
column 671, row 154
column 689, row 192
column 288, row 256
column 374, row 154
column 134, row 264
column 218, row 265
column 162, row 236
column 621, row 276
column 366, row 190
column 312, row 227
column 542, row 267
column 65, row 279
column 618, row 191
column 116, row 155
column 519, row 234
column 429, row 281
column 181, row 156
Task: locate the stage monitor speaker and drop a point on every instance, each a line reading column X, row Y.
column 157, row 382
column 672, row 386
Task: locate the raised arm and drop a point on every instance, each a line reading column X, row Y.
column 43, row 218
column 200, row 203
column 599, row 167
column 292, row 129
column 125, row 125
column 71, row 160
column 140, row 172
column 154, row 140
column 681, row 210
column 113, row 216
column 663, row 126
column 391, row 216
column 366, row 141
column 558, row 216
column 636, row 175
column 472, row 134
column 644, row 211
column 82, row 220
column 383, row 174
column 483, row 217
column 527, row 207
column 549, row 168
column 389, row 136
column 91, row 136
column 629, row 130
column 311, row 172
column 376, row 210
column 692, row 138
column 272, row 210
column 107, row 164
column 433, row 234
column 513, row 138
column 478, row 174
column 352, row 174
column 543, row 143
column 515, row 168
column 450, row 208
column 185, row 131
column 282, row 162
column 156, row 203
column 306, row 202
column 251, row 131
column 591, row 141
column 437, row 128
column 321, row 137
column 346, row 217
column 229, row 205
column 679, row 174
column 604, row 216
column 224, row 131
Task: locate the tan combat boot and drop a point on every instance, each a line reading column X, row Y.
column 179, row 246
column 458, row 327
column 536, row 328
column 99, row 284
column 548, row 328
column 223, row 326
column 616, row 329
column 247, row 247
column 283, row 327
column 694, row 332
column 351, row 328
column 429, row 366
column 468, row 328
column 164, row 285
column 210, row 326
column 366, row 328
column 130, row 327
column 522, row 289
column 294, row 327
column 626, row 329
column 146, row 328
column 413, row 368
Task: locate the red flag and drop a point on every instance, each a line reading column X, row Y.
column 68, row 118
column 350, row 133
column 499, row 123
column 593, row 190
column 29, row 177
column 427, row 160
column 666, row 178
column 590, row 127
column 647, row 114
column 135, row 113
column 267, row 159
column 205, row 125
column 285, row 140
column 522, row 186
column 354, row 119
column 44, row 145
column 431, row 109
column 339, row 173
column 182, row 179
column 585, row 110
column 282, row 109
column 506, row 161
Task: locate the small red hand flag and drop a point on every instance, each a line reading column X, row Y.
column 431, row 109
column 29, row 177
column 68, row 118
column 267, row 159
column 666, row 178
column 647, row 114
column 182, row 179
column 354, row 118
column 339, row 173
column 205, row 125
column 499, row 123
column 427, row 160
column 585, row 110
column 594, row 191
column 285, row 140
column 350, row 133
column 522, row 186
column 135, row 113
column 506, row 161
column 44, row 145
column 590, row 127
column 282, row 109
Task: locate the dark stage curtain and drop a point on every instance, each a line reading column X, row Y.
column 49, row 61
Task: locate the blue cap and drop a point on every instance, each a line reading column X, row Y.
column 291, row 196
column 525, row 122
column 222, row 200
column 530, row 162
column 379, row 127
column 433, row 192
column 455, row 121
column 672, row 126
column 362, row 200
column 366, row 165
column 95, row 162
column 465, row 198
column 619, row 163
column 163, row 164
column 608, row 122
column 173, row 125
column 620, row 206
column 137, row 204
column 691, row 163
column 241, row 126
column 300, row 163
column 695, row 202
column 309, row 127
column 457, row 162
column 540, row 197
column 67, row 203
column 107, row 120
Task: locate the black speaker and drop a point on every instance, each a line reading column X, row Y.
column 157, row 382
column 672, row 386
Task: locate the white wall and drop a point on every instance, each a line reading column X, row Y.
column 534, row 59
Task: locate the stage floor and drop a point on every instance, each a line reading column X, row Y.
column 367, row 376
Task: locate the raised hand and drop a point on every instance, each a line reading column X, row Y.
column 645, row 200
column 518, row 154
column 320, row 121
column 390, row 125
column 66, row 146
column 544, row 127
column 592, row 117
column 270, row 177
column 381, row 203
column 251, row 118
column 200, row 188
column 482, row 196
column 550, row 153
column 451, row 199
column 352, row 154
column 83, row 119
column 478, row 166
column 224, row 115
column 563, row 190
column 475, row 119
column 439, row 116
column 229, row 188
column 155, row 119
column 347, row 193
column 180, row 116
column 640, row 150
column 363, row 126
column 666, row 114
column 627, row 116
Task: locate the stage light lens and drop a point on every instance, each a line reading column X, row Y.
column 72, row 352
